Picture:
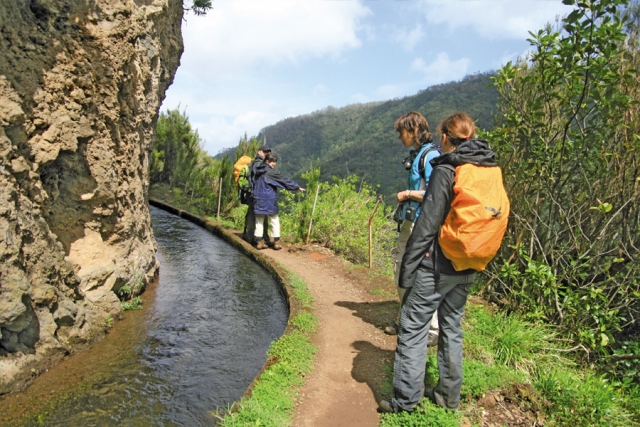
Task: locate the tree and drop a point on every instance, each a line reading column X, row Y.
column 568, row 140
column 200, row 7
column 176, row 150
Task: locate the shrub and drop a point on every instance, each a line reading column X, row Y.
column 340, row 220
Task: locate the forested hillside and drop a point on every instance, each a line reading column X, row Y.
column 360, row 139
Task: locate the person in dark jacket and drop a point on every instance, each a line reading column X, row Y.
column 250, row 217
column 267, row 182
column 431, row 281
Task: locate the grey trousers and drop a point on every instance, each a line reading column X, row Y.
column 448, row 297
column 403, row 237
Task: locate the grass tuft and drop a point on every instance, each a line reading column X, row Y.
column 300, row 291
column 306, row 322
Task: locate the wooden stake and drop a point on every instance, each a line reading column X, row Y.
column 313, row 210
column 371, row 231
column 219, row 197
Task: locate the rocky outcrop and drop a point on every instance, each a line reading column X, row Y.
column 81, row 83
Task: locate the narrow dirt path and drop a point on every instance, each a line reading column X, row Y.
column 347, row 381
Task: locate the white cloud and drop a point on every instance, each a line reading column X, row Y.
column 219, row 132
column 408, row 38
column 319, row 90
column 360, row 98
column 389, row 91
column 442, row 69
column 510, row 56
column 237, row 34
column 494, row 19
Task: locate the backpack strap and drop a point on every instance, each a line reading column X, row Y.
column 422, row 163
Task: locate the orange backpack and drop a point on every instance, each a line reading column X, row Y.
column 473, row 230
column 238, row 168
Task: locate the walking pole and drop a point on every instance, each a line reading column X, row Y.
column 312, row 212
column 371, row 232
column 219, row 197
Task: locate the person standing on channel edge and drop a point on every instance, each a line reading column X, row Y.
column 413, row 130
column 436, row 281
column 265, row 199
column 250, row 217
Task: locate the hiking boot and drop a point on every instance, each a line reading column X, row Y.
column 276, row 246
column 385, row 406
column 432, row 339
column 391, row 330
column 436, row 399
column 261, row 245
column 430, row 394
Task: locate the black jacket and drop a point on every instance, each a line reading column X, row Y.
column 435, row 208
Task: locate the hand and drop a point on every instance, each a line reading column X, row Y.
column 403, row 195
column 301, row 190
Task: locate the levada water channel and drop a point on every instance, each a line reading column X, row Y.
column 196, row 346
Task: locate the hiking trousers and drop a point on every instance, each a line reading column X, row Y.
column 448, row 296
column 274, row 223
column 250, row 226
column 403, row 237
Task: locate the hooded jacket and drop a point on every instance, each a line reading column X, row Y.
column 266, row 183
column 423, row 248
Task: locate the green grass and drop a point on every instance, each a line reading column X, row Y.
column 502, row 351
column 429, row 415
column 384, row 293
column 306, row 322
column 272, row 400
column 300, row 291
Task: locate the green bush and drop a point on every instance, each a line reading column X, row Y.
column 340, row 220
column 583, row 400
column 567, row 140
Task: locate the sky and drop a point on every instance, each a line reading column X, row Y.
column 248, row 64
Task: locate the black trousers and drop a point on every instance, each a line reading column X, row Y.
column 250, row 226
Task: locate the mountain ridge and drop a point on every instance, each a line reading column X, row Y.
column 360, row 138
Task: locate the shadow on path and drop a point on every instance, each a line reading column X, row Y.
column 370, row 366
column 378, row 314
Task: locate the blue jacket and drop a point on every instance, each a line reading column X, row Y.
column 414, row 179
column 266, row 183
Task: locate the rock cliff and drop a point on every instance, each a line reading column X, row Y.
column 81, row 83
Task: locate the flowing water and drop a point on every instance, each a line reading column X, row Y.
column 200, row 342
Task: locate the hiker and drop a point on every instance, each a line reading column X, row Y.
column 250, row 217
column 267, row 181
column 437, row 274
column 413, row 130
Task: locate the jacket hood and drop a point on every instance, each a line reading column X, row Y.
column 475, row 151
column 261, row 169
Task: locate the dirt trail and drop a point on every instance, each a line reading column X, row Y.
column 345, row 385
